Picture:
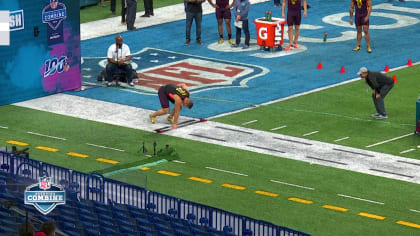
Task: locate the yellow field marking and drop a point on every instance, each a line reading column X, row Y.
column 207, row 181
column 164, row 172
column 408, row 224
column 17, row 143
column 47, row 149
column 145, row 168
column 295, row 199
column 335, row 208
column 234, row 186
column 368, row 215
column 107, row 161
column 75, row 154
column 266, row 193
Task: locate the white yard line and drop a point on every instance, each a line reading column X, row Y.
column 180, row 162
column 314, row 132
column 100, row 146
column 294, row 185
column 361, row 199
column 409, row 150
column 249, row 122
column 44, row 135
column 417, row 211
column 280, row 127
column 226, row 171
column 389, row 140
column 341, row 139
column 3, row 127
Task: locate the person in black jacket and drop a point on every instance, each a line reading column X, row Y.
column 381, row 85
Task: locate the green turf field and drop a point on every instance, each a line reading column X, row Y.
column 345, row 111
column 98, row 12
column 239, row 196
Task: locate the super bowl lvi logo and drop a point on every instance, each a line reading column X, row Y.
column 45, row 196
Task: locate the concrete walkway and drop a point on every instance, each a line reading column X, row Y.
column 162, row 15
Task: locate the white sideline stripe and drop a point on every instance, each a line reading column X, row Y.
column 314, row 132
column 181, row 162
column 226, row 171
column 280, row 127
column 95, row 145
column 294, row 185
column 389, row 140
column 417, row 211
column 341, row 139
column 44, row 135
column 361, row 199
column 249, row 122
column 409, row 150
column 4, row 127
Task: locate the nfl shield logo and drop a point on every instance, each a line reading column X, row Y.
column 44, row 183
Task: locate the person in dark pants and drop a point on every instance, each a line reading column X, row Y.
column 241, row 21
column 119, row 59
column 148, row 8
column 113, row 4
column 277, row 3
column 131, row 14
column 179, row 95
column 123, row 12
column 381, row 85
column 194, row 10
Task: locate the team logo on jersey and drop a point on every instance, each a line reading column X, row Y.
column 45, row 196
column 157, row 67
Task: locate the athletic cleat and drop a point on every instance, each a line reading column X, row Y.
column 288, row 48
column 170, row 119
column 369, row 50
column 381, row 117
column 231, row 42
column 357, row 48
column 221, row 40
column 187, row 42
column 152, row 119
column 245, row 47
column 295, row 45
column 375, row 115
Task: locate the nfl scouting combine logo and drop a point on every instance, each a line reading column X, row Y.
column 45, row 196
column 53, row 15
column 157, row 67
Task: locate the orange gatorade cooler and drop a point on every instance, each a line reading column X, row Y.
column 270, row 33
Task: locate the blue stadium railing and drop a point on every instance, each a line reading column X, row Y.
column 95, row 187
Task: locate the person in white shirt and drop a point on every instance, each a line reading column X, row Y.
column 119, row 58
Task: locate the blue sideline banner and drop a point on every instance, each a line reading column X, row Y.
column 42, row 56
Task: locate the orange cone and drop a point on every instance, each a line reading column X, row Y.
column 319, row 65
column 386, row 68
column 394, row 78
column 410, row 63
column 342, row 71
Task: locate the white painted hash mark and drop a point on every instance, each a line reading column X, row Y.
column 280, row 127
column 44, row 135
column 409, row 150
column 3, row 127
column 341, row 139
column 417, row 211
column 226, row 171
column 249, row 122
column 294, row 185
column 389, row 140
column 100, row 146
column 361, row 199
column 314, row 132
column 176, row 161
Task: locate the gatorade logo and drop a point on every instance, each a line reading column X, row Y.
column 262, row 33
